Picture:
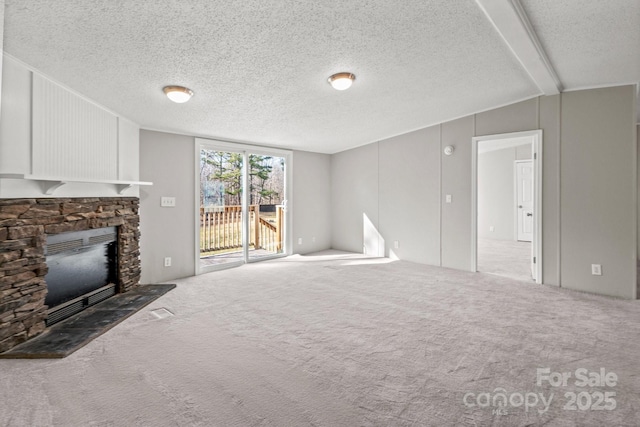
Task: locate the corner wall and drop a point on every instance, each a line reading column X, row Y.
column 354, row 201
column 595, row 125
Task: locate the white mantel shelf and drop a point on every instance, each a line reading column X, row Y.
column 51, row 184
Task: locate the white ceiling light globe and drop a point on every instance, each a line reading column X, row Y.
column 341, row 81
column 178, row 94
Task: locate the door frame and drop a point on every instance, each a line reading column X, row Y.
column 246, row 150
column 536, row 136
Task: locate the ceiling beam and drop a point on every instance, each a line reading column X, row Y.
column 511, row 22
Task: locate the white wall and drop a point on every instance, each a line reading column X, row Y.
column 15, row 120
column 597, row 130
column 169, row 161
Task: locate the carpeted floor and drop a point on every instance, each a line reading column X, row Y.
column 233, row 257
column 506, row 258
column 342, row 340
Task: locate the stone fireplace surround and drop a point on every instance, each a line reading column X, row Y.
column 24, row 225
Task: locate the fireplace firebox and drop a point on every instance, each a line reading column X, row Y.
column 82, row 270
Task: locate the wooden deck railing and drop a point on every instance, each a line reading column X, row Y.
column 222, row 229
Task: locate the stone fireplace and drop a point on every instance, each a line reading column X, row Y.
column 24, row 227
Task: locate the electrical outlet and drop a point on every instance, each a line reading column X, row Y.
column 448, row 198
column 313, row 239
column 596, row 269
column 396, row 244
column 491, row 228
column 299, row 240
column 167, row 262
column 168, row 202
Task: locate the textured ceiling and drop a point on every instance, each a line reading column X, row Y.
column 590, row 43
column 259, row 67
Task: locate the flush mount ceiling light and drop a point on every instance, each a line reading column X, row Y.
column 178, row 94
column 341, row 81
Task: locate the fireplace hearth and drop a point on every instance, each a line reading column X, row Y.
column 25, row 226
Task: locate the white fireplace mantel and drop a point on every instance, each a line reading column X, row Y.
column 51, row 184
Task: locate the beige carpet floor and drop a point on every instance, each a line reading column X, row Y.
column 343, row 340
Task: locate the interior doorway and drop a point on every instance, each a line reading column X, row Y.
column 241, row 196
column 506, row 205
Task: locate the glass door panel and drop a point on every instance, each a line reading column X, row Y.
column 221, row 208
column 267, row 205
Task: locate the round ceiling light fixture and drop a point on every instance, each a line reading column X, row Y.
column 341, row 81
column 178, row 94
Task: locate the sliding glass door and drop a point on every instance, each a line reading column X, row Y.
column 242, row 204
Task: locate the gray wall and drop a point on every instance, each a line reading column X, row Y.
column 456, row 182
column 598, row 190
column 354, row 200
column 374, row 198
column 496, row 191
column 496, row 187
column 311, row 202
column 523, row 152
column 168, row 160
column 597, row 131
column 401, row 169
column 1, row 42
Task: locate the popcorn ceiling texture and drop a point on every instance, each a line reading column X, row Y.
column 259, row 68
column 589, row 43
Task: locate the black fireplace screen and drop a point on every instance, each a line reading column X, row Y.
column 79, row 263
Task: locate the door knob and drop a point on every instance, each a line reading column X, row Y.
column 519, row 206
column 529, row 214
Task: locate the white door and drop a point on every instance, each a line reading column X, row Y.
column 524, row 194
